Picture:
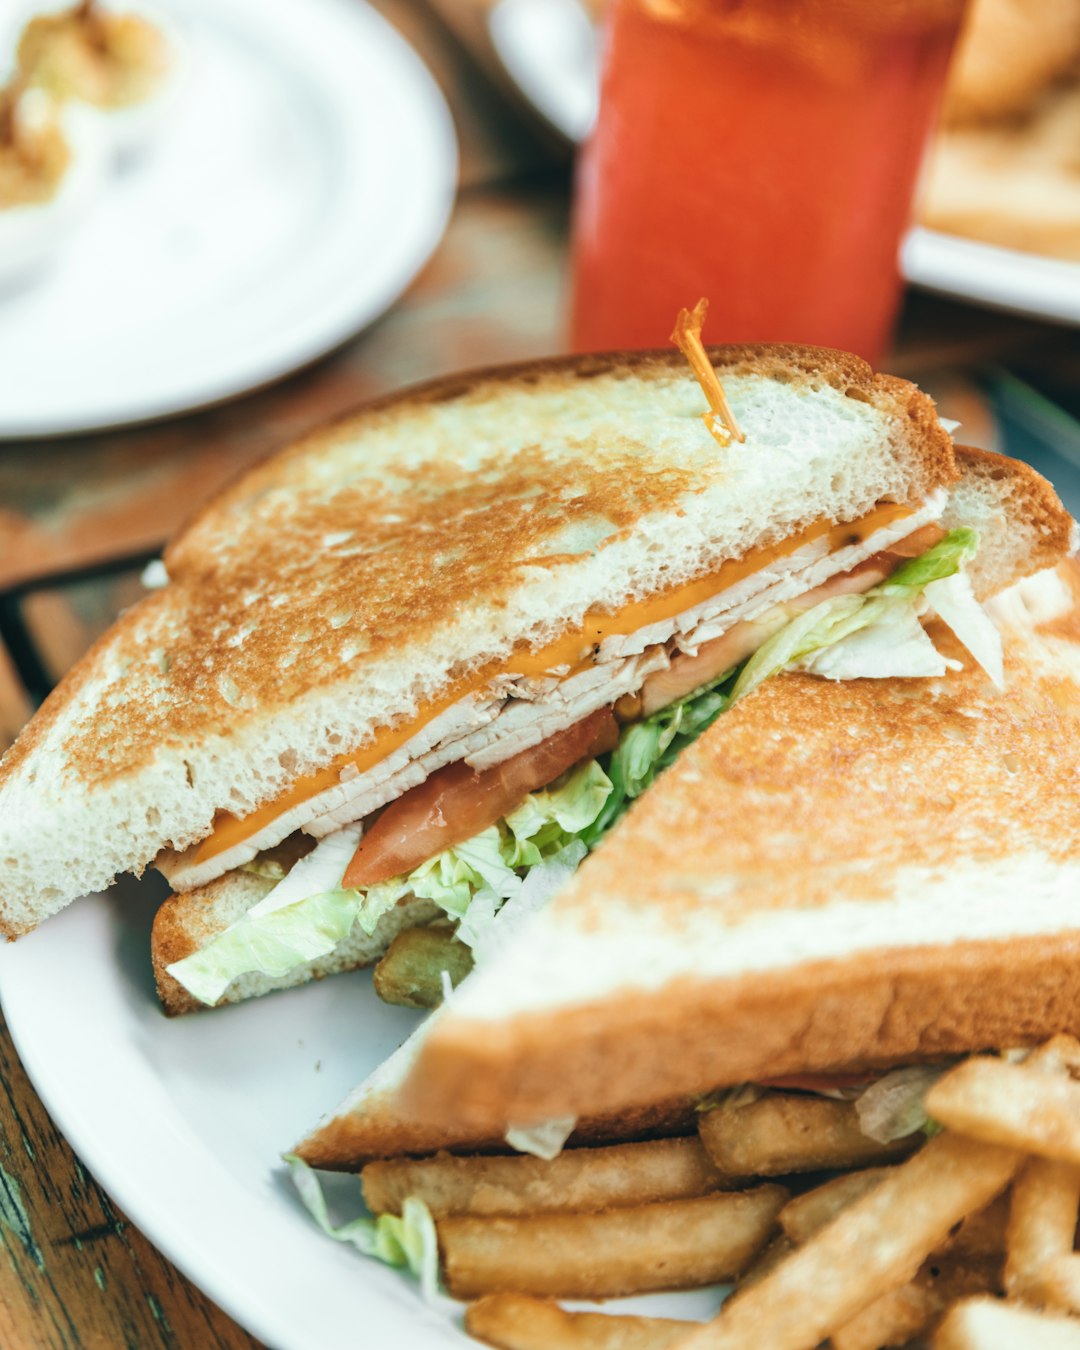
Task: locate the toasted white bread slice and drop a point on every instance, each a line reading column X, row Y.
column 835, row 875
column 356, row 579
column 1021, row 525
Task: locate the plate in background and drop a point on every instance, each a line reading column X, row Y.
column 183, row 1122
column 550, row 50
column 305, row 175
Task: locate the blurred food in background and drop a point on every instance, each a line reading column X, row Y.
column 34, row 152
column 50, row 170
column 89, row 53
column 1006, row 166
column 123, row 63
column 280, row 170
column 1009, row 52
column 79, row 78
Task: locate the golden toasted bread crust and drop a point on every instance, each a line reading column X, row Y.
column 884, row 1008
column 1043, row 531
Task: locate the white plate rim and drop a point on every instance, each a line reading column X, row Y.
column 266, row 1265
column 425, row 130
column 205, row 1184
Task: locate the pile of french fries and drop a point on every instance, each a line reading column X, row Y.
column 965, row 1239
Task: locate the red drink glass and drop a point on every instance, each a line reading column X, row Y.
column 763, row 153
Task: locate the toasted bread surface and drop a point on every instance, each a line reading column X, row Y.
column 344, row 583
column 834, row 874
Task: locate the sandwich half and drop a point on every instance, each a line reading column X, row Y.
column 386, row 665
column 901, row 882
column 837, row 877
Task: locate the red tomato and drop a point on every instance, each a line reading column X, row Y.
column 916, row 543
column 457, row 802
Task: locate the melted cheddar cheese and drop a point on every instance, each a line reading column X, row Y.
column 572, row 650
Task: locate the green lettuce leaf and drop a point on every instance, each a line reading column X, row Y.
column 945, row 559
column 892, row 604
column 648, row 747
column 272, row 944
column 273, row 941
column 407, row 1241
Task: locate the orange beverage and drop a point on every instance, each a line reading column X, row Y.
column 763, row 153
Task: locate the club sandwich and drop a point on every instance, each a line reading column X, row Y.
column 420, row 663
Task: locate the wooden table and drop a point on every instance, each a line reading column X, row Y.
column 79, row 516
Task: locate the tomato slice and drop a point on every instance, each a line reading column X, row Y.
column 457, row 802
column 918, row 542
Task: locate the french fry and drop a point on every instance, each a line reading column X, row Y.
column 1032, row 1106
column 903, row 1314
column 518, row 1322
column 804, row 1214
column 784, row 1132
column 980, row 1234
column 1042, row 1223
column 893, row 1319
column 584, row 1179
column 991, row 1324
column 676, row 1244
column 410, row 972
column 874, row 1246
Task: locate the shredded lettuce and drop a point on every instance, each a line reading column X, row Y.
column 542, row 1141
column 409, row 1240
column 894, row 646
column 271, row 944
column 954, row 602
column 488, row 928
column 648, row 747
column 892, row 1107
column 288, row 928
column 869, row 635
column 945, row 559
column 490, row 865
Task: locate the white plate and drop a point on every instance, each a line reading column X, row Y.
column 183, row 1123
column 550, row 50
column 305, row 175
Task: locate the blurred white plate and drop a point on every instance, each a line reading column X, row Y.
column 550, row 50
column 183, row 1123
column 1003, row 278
column 305, row 175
